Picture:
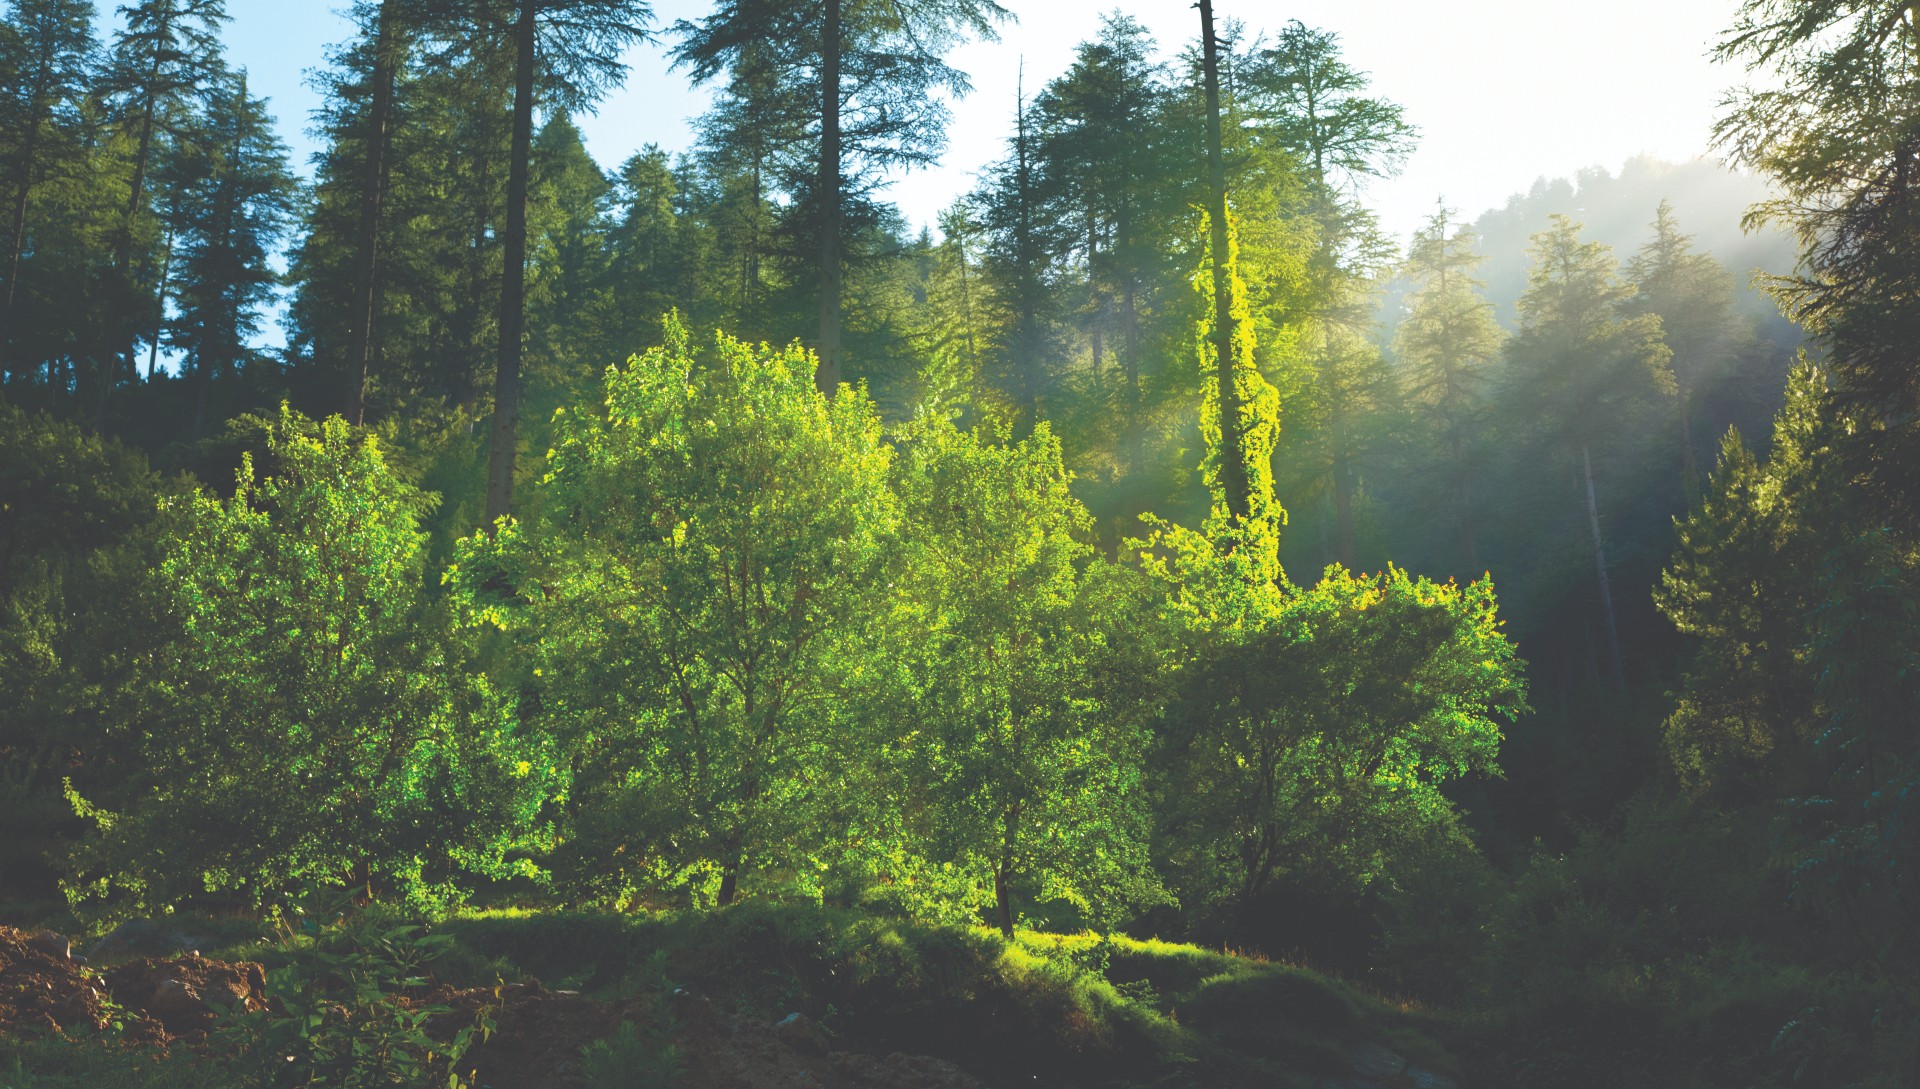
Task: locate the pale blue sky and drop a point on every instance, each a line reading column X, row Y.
column 1504, row 91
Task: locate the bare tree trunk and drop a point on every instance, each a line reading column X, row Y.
column 1469, row 542
column 1003, row 902
column 123, row 247
column 513, row 280
column 828, row 376
column 366, row 243
column 1600, row 569
column 166, row 270
column 1689, row 465
column 1027, row 365
column 1343, row 489
column 1235, row 487
column 18, row 239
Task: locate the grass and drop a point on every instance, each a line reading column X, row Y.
column 1075, row 1009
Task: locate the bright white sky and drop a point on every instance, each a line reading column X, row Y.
column 1503, row 91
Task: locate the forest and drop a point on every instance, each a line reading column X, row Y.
column 1152, row 626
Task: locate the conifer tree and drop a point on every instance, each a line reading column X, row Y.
column 569, row 53
column 875, row 70
column 385, row 30
column 165, row 66
column 1834, row 119
column 46, row 57
column 1692, row 295
column 1447, row 344
column 1302, row 98
column 230, row 201
column 1578, row 371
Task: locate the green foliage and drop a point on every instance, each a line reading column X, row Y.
column 306, row 713
column 1026, row 770
column 1314, row 745
column 694, row 597
column 71, row 505
column 342, row 1018
column 1076, row 1008
column 632, row 1059
column 1240, row 433
column 1831, row 119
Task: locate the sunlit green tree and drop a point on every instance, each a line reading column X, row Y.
column 308, row 718
column 1029, row 776
column 694, row 596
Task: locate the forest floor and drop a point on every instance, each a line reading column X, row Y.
column 753, row 998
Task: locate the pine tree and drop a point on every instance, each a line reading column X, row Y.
column 875, row 70
column 1578, row 371
column 1447, row 344
column 1112, row 175
column 1692, row 295
column 1304, row 99
column 165, row 66
column 230, row 201
column 46, row 57
column 1834, row 120
column 567, row 279
column 385, row 34
column 567, row 51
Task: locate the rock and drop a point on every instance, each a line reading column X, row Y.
column 797, row 1031
column 178, row 1006
column 187, row 994
column 52, row 944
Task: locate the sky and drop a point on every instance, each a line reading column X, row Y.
column 1503, row 91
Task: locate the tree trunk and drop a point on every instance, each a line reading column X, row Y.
column 1234, row 485
column 1469, row 542
column 1003, row 902
column 1094, row 301
column 1689, row 466
column 1027, row 375
column 1130, row 348
column 17, row 241
column 366, row 243
column 1600, row 569
column 513, row 280
column 828, row 375
column 729, row 884
column 166, row 271
column 123, row 246
column 1343, row 497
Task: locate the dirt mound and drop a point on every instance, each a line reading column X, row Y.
column 42, row 988
column 186, row 994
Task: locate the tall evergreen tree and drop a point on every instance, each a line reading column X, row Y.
column 1303, row 98
column 46, row 57
column 1692, row 295
column 1234, row 468
column 1112, row 176
column 568, row 52
column 1835, row 121
column 877, row 70
column 165, row 66
column 385, row 31
column 1447, row 344
column 1578, row 373
column 230, row 202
